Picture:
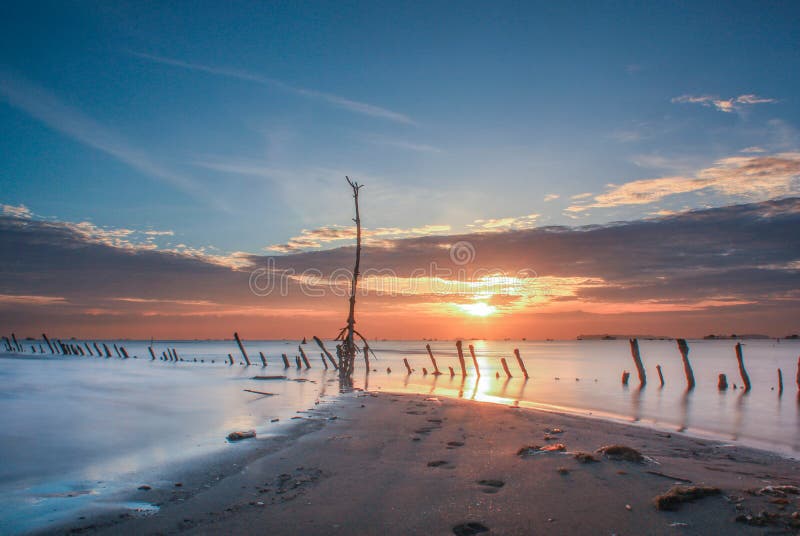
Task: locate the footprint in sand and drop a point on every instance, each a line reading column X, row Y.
column 469, row 529
column 491, row 485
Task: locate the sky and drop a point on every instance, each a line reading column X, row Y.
column 180, row 151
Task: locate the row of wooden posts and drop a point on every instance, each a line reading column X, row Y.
column 56, row 347
column 683, row 348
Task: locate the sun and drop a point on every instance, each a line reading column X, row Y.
column 478, row 308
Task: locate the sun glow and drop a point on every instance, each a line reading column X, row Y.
column 478, row 308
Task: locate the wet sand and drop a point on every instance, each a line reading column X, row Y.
column 404, row 464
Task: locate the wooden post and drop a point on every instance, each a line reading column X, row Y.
column 625, row 377
column 7, row 343
column 230, row 359
column 303, row 355
column 164, row 356
column 452, row 372
column 424, row 371
column 297, row 361
column 285, row 361
column 505, row 366
column 124, row 352
column 108, row 352
column 80, row 349
column 742, row 370
column 325, row 350
column 461, row 359
column 366, row 356
column 436, row 371
column 116, row 350
column 152, row 353
column 263, row 359
column 408, row 367
column 780, row 382
column 797, row 379
column 86, row 344
column 16, row 343
column 97, row 349
column 474, row 360
column 637, row 360
column 683, row 348
column 722, row 382
column 324, row 361
column 241, row 347
column 44, row 336
column 521, row 364
column 660, row 375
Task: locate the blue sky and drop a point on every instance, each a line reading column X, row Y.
column 232, row 128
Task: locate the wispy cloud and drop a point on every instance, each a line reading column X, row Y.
column 401, row 144
column 748, row 177
column 723, row 105
column 15, row 299
column 334, row 100
column 47, row 108
column 551, row 197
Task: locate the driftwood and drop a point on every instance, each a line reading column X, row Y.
column 521, row 364
column 474, row 360
column 742, row 370
column 461, row 359
column 263, row 359
column 285, row 361
column 44, row 336
column 264, row 393
column 241, row 347
column 408, row 367
column 303, row 355
column 436, row 371
column 683, row 348
column 505, row 366
column 660, row 375
column 637, row 360
column 325, row 351
column 722, row 382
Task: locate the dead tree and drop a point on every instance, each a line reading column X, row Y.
column 347, row 350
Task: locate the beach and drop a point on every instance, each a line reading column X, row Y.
column 383, row 463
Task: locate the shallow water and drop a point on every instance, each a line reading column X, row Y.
column 75, row 431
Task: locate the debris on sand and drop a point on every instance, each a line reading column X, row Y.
column 585, row 457
column 531, row 450
column 562, row 470
column 437, row 463
column 672, row 499
column 492, row 483
column 470, row 529
column 238, row 436
column 779, row 491
column 621, row 452
column 265, row 378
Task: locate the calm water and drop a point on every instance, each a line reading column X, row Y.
column 75, row 431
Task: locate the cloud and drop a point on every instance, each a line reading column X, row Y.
column 334, row 100
column 316, row 238
column 401, row 144
column 692, row 272
column 746, row 177
column 504, row 224
column 551, row 197
column 19, row 211
column 723, row 105
column 47, row 108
